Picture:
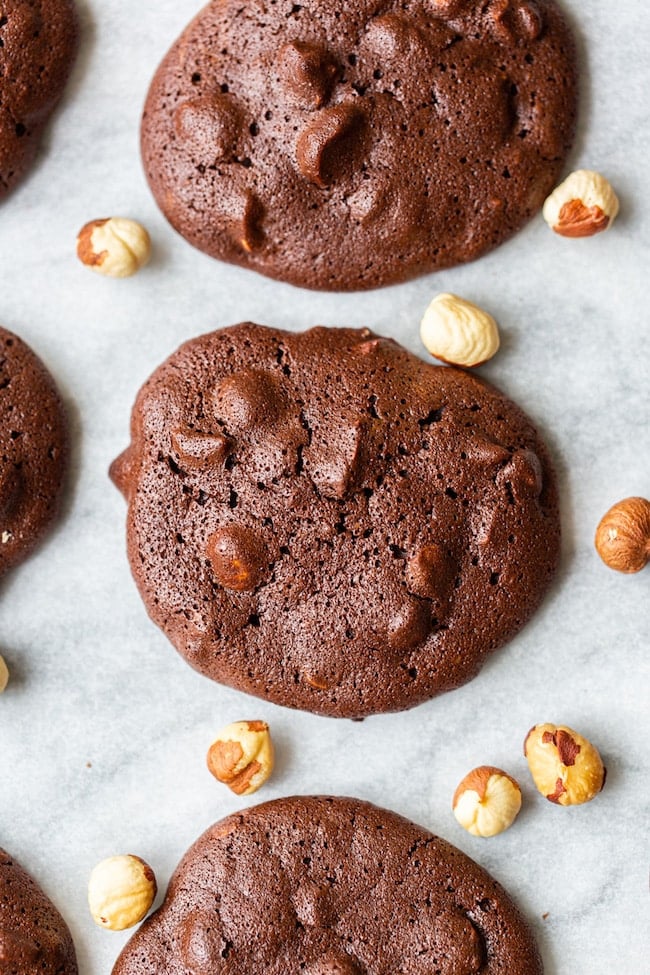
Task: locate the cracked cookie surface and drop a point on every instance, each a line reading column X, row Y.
column 33, row 935
column 348, row 147
column 38, row 43
column 33, row 450
column 326, row 521
column 329, row 886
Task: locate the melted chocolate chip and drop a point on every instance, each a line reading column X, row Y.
column 307, row 73
column 239, row 558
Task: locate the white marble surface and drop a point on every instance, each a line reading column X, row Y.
column 104, row 729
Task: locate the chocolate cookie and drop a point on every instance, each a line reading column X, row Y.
column 326, row 521
column 33, row 935
column 347, row 146
column 326, row 886
column 38, row 43
column 33, row 449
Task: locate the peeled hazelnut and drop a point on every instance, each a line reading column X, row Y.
column 566, row 768
column 623, row 535
column 242, row 756
column 4, row 675
column 458, row 332
column 583, row 205
column 487, row 801
column 116, row 247
column 120, row 892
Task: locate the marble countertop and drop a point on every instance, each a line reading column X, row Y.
column 104, row 729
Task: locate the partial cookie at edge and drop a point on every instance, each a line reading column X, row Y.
column 38, row 44
column 33, row 935
column 312, row 884
column 33, row 450
column 351, row 147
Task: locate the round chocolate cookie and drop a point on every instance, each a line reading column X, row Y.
column 34, row 938
column 347, row 146
column 33, row 449
column 326, row 521
column 326, row 886
column 38, row 43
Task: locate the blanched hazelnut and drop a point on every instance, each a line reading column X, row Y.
column 458, row 332
column 583, row 205
column 566, row 768
column 120, row 892
column 116, row 247
column 623, row 535
column 487, row 801
column 4, row 675
column 242, row 756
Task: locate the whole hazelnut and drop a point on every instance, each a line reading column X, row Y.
column 458, row 332
column 242, row 756
column 566, row 768
column 120, row 892
column 4, row 675
column 487, row 801
column 116, row 247
column 623, row 535
column 583, row 205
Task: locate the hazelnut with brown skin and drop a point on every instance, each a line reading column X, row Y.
column 566, row 768
column 115, row 246
column 623, row 535
column 121, row 891
column 583, row 205
column 242, row 756
column 487, row 801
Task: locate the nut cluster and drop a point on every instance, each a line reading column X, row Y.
column 487, row 801
column 566, row 768
column 242, row 756
column 120, row 892
column 115, row 247
column 458, row 332
column 583, row 205
column 623, row 535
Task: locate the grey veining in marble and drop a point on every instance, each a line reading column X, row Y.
column 103, row 730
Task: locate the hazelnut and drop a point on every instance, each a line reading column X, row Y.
column 242, row 756
column 487, row 801
column 623, row 535
column 120, row 892
column 4, row 675
column 583, row 205
column 566, row 768
column 458, row 332
column 116, row 247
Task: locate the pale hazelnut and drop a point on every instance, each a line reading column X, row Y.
column 623, row 535
column 242, row 756
column 120, row 892
column 487, row 801
column 458, row 332
column 116, row 247
column 583, row 205
column 566, row 768
column 4, row 675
